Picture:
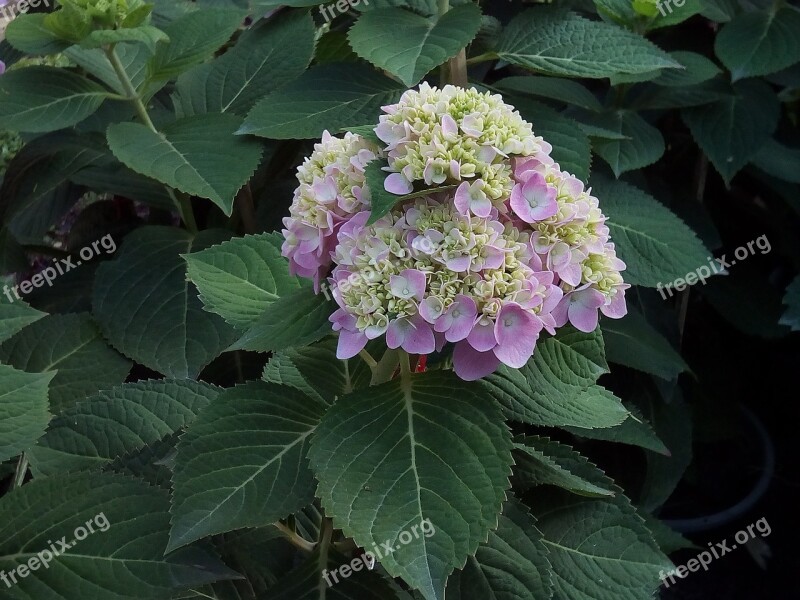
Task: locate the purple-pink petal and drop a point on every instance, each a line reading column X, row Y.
column 471, row 365
column 516, row 330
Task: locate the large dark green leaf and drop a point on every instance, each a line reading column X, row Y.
column 215, row 490
column 23, row 411
column 150, row 312
column 429, row 447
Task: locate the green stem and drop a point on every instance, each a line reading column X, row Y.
column 444, row 6
column 22, row 470
column 367, row 358
column 295, row 539
column 486, row 56
column 405, row 364
column 386, row 367
column 182, row 203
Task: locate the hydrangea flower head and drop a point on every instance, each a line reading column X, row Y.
column 331, row 191
column 513, row 246
column 453, row 135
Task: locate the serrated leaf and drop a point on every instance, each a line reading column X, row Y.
column 642, row 145
column 779, row 161
column 28, row 34
column 633, row 342
column 317, row 372
column 571, row 149
column 791, row 300
column 15, row 316
column 600, row 549
column 760, row 42
column 429, row 447
column 149, row 311
column 23, row 409
column 214, row 491
column 409, row 45
column 122, row 560
column 327, row 97
column 193, row 38
column 307, row 582
column 197, row 155
column 120, row 421
column 511, row 565
column 732, row 130
column 542, row 461
column 654, row 243
column 563, row 90
column 698, row 69
column 41, row 99
column 635, row 431
column 264, row 58
column 132, row 57
column 71, row 346
column 147, row 35
column 297, row 319
column 554, row 41
column 557, row 387
column 240, row 278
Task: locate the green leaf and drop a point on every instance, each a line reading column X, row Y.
column 307, row 582
column 779, row 161
column 720, row 11
column 511, row 565
column 557, row 42
column 381, row 201
column 429, row 447
column 654, row 243
column 542, row 461
column 239, row 279
column 633, row 342
column 760, row 42
column 149, row 311
column 791, row 317
column 72, row 346
column 557, row 387
column 15, row 316
column 23, row 409
column 600, row 549
column 132, row 57
column 315, row 371
column 635, row 431
column 571, row 149
column 697, row 70
column 28, row 34
column 123, row 559
column 120, row 421
column 147, row 35
column 264, row 58
column 193, row 38
column 562, row 90
column 672, row 419
column 41, row 99
column 732, row 130
column 330, row 97
column 296, row 319
column 215, row 491
column 409, row 45
column 197, row 155
column 642, row 145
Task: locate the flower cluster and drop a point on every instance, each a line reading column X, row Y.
column 513, row 246
column 331, row 191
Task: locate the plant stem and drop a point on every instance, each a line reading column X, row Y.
column 405, row 364
column 22, row 470
column 181, row 202
column 295, row 539
column 486, row 56
column 386, row 367
column 367, row 358
column 444, row 6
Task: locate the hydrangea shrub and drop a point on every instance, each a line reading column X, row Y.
column 381, row 319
